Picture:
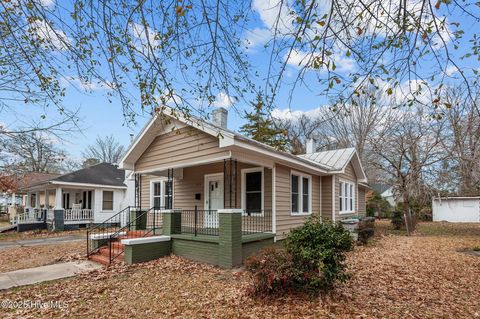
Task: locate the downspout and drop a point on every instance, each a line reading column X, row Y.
column 333, row 199
column 274, row 203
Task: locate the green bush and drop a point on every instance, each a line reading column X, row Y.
column 397, row 220
column 314, row 260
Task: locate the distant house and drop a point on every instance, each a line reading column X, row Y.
column 89, row 195
column 15, row 196
column 386, row 192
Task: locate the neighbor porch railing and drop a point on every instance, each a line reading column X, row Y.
column 30, row 216
column 78, row 214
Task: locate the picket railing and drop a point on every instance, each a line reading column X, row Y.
column 78, row 214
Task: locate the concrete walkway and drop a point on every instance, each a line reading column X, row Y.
column 40, row 241
column 45, row 273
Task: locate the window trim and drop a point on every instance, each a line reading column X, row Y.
column 162, row 182
column 352, row 199
column 113, row 200
column 300, row 193
column 244, row 172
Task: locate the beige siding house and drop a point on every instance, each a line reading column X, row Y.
column 190, row 164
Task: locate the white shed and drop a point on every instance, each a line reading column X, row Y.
column 456, row 209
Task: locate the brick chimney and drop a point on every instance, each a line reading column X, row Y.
column 220, row 117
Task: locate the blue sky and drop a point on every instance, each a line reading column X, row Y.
column 99, row 117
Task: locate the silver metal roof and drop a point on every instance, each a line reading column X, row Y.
column 334, row 159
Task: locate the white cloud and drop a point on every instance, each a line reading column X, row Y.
column 300, row 59
column 451, row 70
column 288, row 114
column 144, row 36
column 223, row 100
column 55, row 38
column 89, row 86
column 47, row 3
column 257, row 37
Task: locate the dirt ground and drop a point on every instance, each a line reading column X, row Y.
column 428, row 275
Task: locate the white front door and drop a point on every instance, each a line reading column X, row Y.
column 213, row 199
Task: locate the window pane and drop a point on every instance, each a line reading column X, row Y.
column 156, row 189
column 253, row 181
column 341, row 203
column 351, row 197
column 295, row 203
column 156, row 202
column 341, row 189
column 295, row 199
column 306, row 196
column 254, row 202
column 294, row 184
column 305, row 204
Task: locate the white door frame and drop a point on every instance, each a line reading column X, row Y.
column 206, row 179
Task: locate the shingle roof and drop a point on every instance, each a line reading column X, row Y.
column 334, row 159
column 100, row 174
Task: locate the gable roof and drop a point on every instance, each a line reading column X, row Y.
column 337, row 160
column 380, row 188
column 332, row 163
column 99, row 174
column 103, row 174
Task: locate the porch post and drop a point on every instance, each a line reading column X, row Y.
column 172, row 221
column 13, row 199
column 37, row 200
column 230, row 237
column 27, row 200
column 47, row 199
column 230, row 181
column 58, row 198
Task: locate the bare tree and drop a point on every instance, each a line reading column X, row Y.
column 30, row 152
column 409, row 148
column 176, row 52
column 461, row 140
column 106, row 149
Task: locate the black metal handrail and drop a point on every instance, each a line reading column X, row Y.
column 148, row 230
column 256, row 221
column 108, row 225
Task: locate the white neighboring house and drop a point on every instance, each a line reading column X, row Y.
column 456, row 209
column 386, row 192
column 89, row 195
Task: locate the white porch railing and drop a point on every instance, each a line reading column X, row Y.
column 78, row 214
column 27, row 217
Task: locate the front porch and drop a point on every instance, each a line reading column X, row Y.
column 223, row 237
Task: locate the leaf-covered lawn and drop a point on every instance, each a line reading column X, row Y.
column 35, row 256
column 423, row 276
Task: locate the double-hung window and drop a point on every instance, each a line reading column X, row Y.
column 162, row 194
column 301, row 193
column 346, row 197
column 107, row 202
column 252, row 180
